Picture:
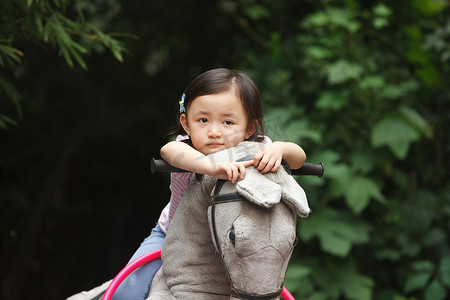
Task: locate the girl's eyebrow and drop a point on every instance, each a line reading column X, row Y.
column 201, row 112
column 228, row 114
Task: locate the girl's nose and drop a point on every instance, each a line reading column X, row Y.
column 214, row 132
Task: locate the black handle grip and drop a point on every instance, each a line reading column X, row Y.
column 160, row 165
column 310, row 169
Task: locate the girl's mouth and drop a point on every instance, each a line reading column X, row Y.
column 214, row 144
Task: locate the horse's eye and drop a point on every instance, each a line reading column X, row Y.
column 295, row 241
column 232, row 235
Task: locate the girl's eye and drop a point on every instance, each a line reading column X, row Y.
column 203, row 120
column 228, row 122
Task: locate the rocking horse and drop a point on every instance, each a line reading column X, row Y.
column 231, row 240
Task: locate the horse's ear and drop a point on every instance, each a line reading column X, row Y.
column 258, row 189
column 293, row 195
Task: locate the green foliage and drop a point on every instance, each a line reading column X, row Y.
column 48, row 22
column 362, row 87
column 394, row 132
column 335, row 278
column 337, row 231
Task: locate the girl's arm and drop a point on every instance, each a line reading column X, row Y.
column 183, row 156
column 269, row 159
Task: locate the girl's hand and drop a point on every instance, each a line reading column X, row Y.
column 229, row 170
column 269, row 159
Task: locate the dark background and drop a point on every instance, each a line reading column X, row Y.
column 78, row 164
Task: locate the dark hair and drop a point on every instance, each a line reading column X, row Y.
column 217, row 81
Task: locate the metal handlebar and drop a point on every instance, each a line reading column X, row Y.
column 160, row 165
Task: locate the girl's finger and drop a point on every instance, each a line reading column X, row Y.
column 235, row 174
column 242, row 170
column 247, row 163
column 263, row 164
column 267, row 168
column 276, row 166
column 229, row 173
column 257, row 158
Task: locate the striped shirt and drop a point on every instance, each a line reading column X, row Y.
column 178, row 185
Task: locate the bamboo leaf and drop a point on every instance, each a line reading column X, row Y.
column 38, row 22
column 77, row 57
column 12, row 94
column 46, row 32
column 117, row 54
column 5, row 120
column 13, row 53
column 65, row 53
column 77, row 46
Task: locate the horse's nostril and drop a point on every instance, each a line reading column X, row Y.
column 232, row 235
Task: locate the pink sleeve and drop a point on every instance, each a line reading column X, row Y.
column 182, row 138
column 178, row 185
column 266, row 140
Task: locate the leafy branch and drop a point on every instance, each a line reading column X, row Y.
column 48, row 21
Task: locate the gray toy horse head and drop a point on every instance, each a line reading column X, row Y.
column 253, row 226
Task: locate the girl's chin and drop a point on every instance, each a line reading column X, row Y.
column 212, row 151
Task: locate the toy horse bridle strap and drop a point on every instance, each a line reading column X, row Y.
column 233, row 197
column 220, row 199
column 241, row 295
column 217, row 199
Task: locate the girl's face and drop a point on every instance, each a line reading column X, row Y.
column 216, row 122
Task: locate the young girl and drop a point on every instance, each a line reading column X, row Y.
column 219, row 109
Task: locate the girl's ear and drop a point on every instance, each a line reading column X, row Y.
column 251, row 128
column 184, row 123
